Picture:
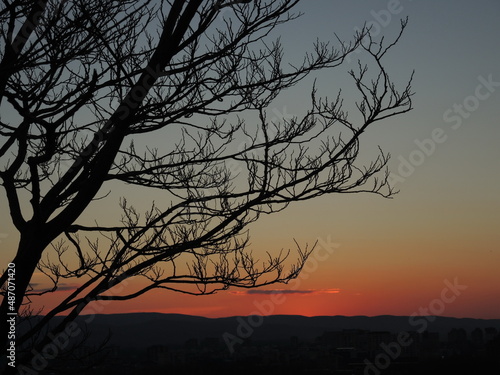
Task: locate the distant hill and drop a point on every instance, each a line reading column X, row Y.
column 141, row 330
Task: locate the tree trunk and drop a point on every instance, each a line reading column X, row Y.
column 31, row 246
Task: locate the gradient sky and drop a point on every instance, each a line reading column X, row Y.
column 378, row 256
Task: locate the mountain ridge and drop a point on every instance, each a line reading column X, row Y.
column 147, row 329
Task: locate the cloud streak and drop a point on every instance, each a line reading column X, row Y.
column 38, row 288
column 287, row 291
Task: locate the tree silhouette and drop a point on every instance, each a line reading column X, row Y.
column 82, row 85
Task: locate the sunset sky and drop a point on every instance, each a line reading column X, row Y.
column 432, row 249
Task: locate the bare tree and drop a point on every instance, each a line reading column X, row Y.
column 82, row 86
